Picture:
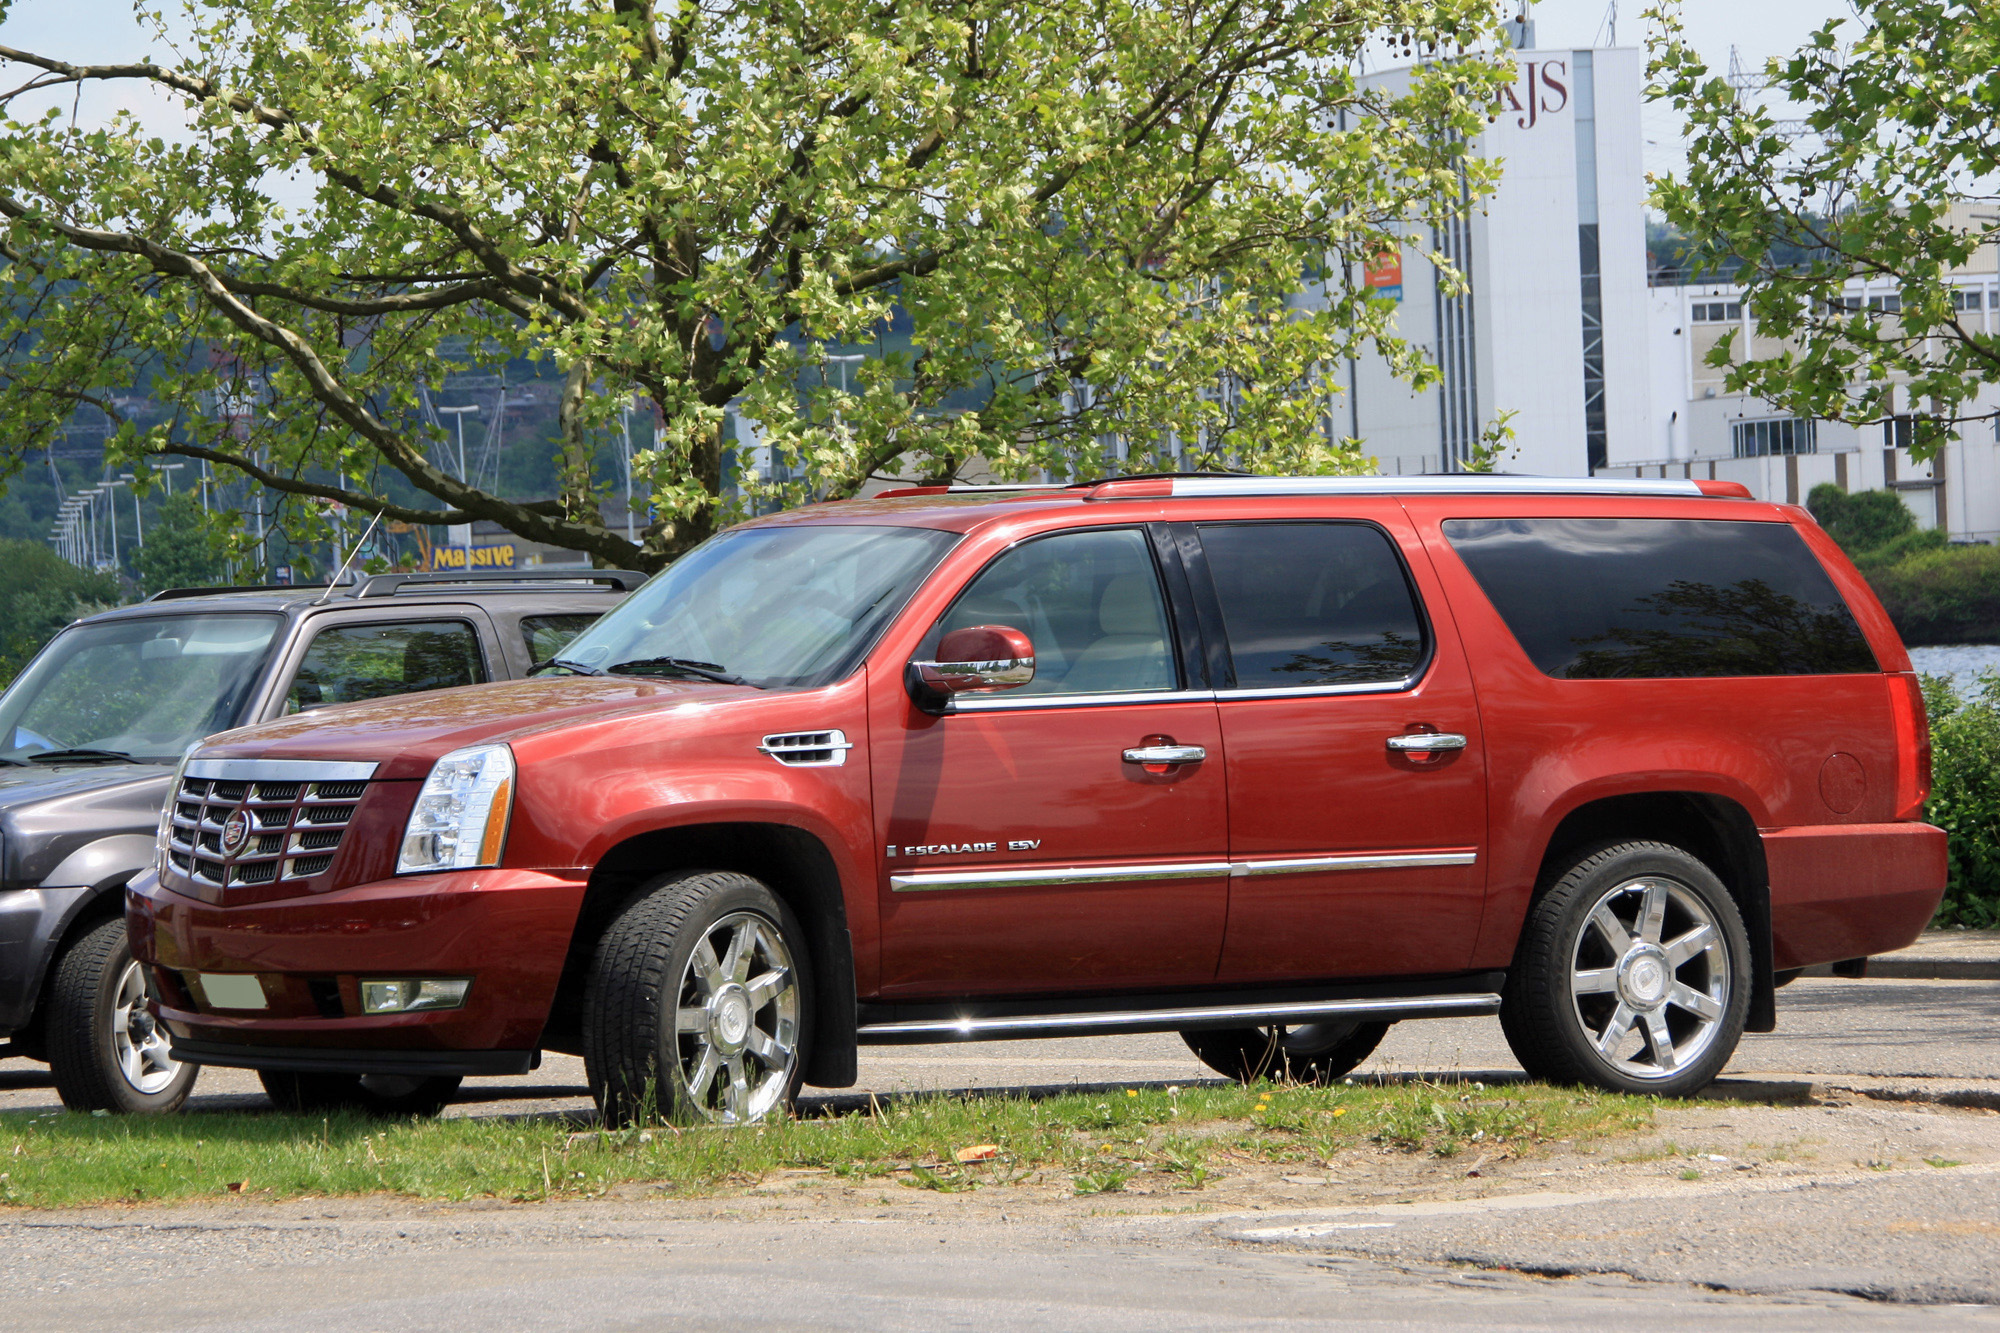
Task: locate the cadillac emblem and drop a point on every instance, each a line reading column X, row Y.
column 235, row 831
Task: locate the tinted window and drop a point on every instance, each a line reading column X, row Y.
column 352, row 662
column 548, row 635
column 1090, row 601
column 1593, row 598
column 1313, row 604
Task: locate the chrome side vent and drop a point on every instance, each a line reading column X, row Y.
column 808, row 749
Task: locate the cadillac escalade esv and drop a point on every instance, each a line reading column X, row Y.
column 1270, row 762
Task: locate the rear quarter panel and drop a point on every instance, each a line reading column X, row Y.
column 1555, row 745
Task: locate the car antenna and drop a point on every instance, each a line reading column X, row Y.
column 334, row 582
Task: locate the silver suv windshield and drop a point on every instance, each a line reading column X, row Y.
column 773, row 606
column 144, row 688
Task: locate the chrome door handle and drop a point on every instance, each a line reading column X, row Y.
column 1166, row 754
column 1427, row 742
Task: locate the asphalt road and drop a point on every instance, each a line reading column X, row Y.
column 1900, row 1029
column 1845, row 1211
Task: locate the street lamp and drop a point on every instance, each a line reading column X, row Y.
column 111, row 485
column 460, row 412
column 138, row 523
column 169, row 469
column 96, row 548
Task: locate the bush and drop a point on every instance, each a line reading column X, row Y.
column 1965, row 797
column 1947, row 594
column 40, row 593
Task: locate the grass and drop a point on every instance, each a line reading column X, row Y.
column 1172, row 1138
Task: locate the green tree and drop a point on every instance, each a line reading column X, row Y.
column 1863, row 521
column 1897, row 122
column 1094, row 214
column 183, row 548
column 39, row 594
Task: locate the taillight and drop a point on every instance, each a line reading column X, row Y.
column 1913, row 744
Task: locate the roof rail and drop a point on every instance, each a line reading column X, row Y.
column 175, row 594
column 523, row 580
column 1462, row 483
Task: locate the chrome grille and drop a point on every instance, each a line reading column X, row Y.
column 295, row 824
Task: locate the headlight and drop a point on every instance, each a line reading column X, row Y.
column 461, row 815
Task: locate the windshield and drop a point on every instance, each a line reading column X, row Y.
column 772, row 606
column 147, row 688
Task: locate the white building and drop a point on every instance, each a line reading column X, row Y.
column 1601, row 372
column 1554, row 327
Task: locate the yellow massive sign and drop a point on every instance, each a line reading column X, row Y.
column 501, row 556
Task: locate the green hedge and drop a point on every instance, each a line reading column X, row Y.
column 1965, row 797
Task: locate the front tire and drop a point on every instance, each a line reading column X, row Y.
column 1314, row 1053
column 105, row 1048
column 698, row 1005
column 386, row 1095
column 1632, row 974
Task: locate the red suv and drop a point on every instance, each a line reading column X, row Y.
column 1270, row 762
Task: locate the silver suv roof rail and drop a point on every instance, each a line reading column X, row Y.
column 1161, row 485
column 388, row 585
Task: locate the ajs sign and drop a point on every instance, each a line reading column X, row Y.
column 1545, row 91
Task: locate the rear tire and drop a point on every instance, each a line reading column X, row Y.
column 1309, row 1053
column 105, row 1048
column 699, row 1003
column 386, row 1095
column 1632, row 974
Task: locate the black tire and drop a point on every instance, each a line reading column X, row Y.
column 387, row 1095
column 1308, row 1053
column 639, row 1061
column 1571, row 983
column 88, row 1000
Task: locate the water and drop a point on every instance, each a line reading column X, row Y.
column 1962, row 662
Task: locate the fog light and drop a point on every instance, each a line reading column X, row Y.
column 401, row 997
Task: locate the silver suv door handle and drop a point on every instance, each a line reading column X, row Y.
column 1427, row 742
column 1168, row 754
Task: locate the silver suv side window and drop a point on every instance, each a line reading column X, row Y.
column 1313, row 604
column 347, row 663
column 1091, row 602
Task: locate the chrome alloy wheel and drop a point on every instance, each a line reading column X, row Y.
column 137, row 1040
column 1649, row 977
column 736, row 1024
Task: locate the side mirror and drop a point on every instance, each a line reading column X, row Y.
column 979, row 657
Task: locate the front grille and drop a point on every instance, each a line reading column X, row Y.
column 293, row 828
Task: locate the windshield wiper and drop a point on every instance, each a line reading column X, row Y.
column 706, row 670
column 66, row 756
column 566, row 665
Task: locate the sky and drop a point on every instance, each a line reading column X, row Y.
column 96, row 31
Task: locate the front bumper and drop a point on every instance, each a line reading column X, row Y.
column 508, row 930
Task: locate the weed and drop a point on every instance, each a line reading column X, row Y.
column 1108, row 1180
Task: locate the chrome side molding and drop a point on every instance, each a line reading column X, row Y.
column 972, row 1028
column 926, row 881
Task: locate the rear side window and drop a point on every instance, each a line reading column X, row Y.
column 347, row 663
column 1601, row 599
column 546, row 636
column 1313, row 604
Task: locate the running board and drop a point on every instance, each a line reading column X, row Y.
column 916, row 1032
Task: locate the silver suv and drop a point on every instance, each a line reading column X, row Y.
column 91, row 730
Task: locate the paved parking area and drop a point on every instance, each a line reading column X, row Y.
column 1882, row 1028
